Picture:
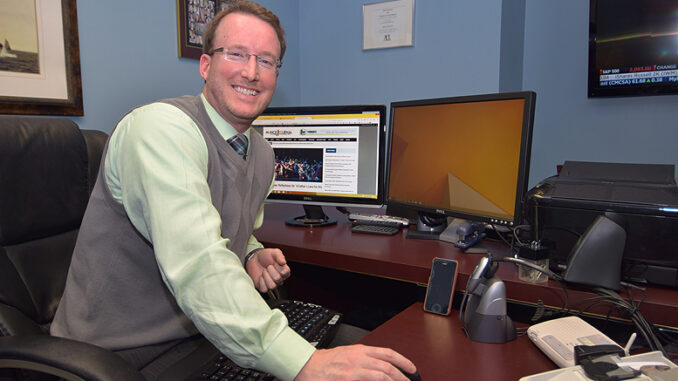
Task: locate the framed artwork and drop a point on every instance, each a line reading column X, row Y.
column 40, row 58
column 193, row 16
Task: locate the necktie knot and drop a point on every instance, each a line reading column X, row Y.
column 239, row 143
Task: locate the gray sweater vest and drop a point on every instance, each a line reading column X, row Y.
column 115, row 296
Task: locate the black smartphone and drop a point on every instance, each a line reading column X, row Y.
column 440, row 289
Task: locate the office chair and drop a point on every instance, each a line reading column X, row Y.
column 47, row 170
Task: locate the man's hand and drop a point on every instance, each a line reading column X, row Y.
column 268, row 269
column 356, row 362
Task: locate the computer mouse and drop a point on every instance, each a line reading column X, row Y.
column 411, row 376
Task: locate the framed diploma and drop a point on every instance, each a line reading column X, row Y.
column 388, row 24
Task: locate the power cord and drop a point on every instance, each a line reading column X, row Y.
column 645, row 328
column 541, row 311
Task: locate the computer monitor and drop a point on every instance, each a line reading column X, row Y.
column 466, row 157
column 326, row 156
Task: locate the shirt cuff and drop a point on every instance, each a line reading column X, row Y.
column 286, row 355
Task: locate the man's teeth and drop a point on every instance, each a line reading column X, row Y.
column 246, row 91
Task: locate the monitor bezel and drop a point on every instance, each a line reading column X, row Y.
column 409, row 209
column 341, row 201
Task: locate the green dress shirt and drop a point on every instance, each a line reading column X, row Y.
column 158, row 158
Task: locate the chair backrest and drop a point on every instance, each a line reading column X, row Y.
column 47, row 170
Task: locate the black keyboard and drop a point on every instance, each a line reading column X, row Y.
column 315, row 323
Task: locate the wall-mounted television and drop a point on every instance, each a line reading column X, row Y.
column 633, row 47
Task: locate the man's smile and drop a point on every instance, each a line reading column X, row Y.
column 245, row 91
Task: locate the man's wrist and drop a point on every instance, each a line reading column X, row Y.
column 250, row 255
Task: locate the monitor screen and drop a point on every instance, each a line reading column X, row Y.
column 465, row 157
column 632, row 47
column 326, row 155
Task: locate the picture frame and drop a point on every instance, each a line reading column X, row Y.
column 193, row 16
column 388, row 24
column 40, row 74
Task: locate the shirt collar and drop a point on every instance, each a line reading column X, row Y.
column 225, row 129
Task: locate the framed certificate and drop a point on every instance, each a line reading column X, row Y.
column 388, row 24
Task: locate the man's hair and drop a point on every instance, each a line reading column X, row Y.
column 246, row 7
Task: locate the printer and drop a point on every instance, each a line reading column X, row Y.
column 642, row 198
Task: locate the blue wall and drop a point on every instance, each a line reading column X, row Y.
column 455, row 52
column 568, row 124
column 128, row 57
column 128, row 54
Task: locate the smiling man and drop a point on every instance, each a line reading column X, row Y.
column 166, row 255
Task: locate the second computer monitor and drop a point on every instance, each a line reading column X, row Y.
column 465, row 157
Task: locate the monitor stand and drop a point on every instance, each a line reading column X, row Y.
column 314, row 217
column 429, row 226
column 435, row 226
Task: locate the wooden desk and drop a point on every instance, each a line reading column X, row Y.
column 409, row 260
column 440, row 349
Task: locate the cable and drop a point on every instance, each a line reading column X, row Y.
column 515, row 234
column 645, row 328
column 549, row 273
column 509, row 244
column 630, row 308
column 522, row 262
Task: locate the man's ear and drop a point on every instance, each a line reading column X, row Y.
column 205, row 62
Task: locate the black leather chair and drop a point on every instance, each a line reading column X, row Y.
column 47, row 170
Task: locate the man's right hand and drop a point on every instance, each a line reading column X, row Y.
column 356, row 362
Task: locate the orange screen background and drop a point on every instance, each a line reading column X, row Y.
column 477, row 143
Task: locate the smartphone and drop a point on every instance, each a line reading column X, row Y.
column 440, row 289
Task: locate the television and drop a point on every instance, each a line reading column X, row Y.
column 326, row 156
column 466, row 157
column 633, row 48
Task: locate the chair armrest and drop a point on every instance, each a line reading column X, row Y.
column 69, row 359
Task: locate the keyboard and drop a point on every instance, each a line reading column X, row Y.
column 315, row 323
column 375, row 229
column 378, row 219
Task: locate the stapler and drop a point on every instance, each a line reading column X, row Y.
column 470, row 233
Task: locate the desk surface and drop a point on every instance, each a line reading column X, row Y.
column 410, row 260
column 440, row 349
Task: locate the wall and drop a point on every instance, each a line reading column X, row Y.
column 569, row 125
column 128, row 54
column 456, row 52
column 128, row 57
column 470, row 47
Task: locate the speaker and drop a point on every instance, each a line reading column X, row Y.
column 596, row 258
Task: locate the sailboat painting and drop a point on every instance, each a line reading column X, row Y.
column 19, row 51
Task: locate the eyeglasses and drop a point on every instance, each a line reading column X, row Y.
column 240, row 56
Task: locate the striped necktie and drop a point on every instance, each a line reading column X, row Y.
column 239, row 143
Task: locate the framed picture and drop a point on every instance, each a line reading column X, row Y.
column 193, row 16
column 40, row 58
column 388, row 24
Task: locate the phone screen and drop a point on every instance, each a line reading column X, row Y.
column 441, row 286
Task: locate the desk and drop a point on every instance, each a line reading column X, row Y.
column 440, row 349
column 409, row 260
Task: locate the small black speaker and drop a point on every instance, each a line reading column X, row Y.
column 596, row 258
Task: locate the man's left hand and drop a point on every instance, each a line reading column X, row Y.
column 268, row 269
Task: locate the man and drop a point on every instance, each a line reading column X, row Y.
column 166, row 253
